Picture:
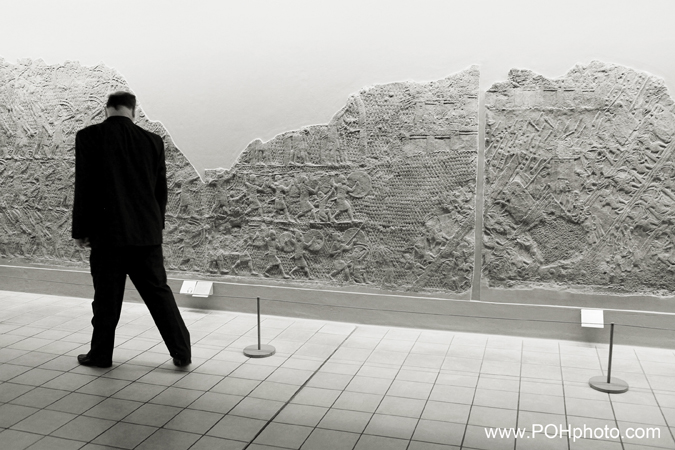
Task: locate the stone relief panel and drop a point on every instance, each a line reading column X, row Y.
column 579, row 189
column 41, row 109
column 382, row 195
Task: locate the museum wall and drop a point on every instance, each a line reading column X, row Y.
column 547, row 179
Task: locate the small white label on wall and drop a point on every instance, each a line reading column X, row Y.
column 592, row 318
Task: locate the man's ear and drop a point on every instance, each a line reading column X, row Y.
column 133, row 113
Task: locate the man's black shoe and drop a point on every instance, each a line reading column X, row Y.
column 86, row 360
column 181, row 362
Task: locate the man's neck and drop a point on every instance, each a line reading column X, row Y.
column 121, row 112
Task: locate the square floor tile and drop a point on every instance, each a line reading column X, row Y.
column 152, row 415
column 283, row 435
column 357, row 401
column 257, row 408
column 301, row 415
column 215, row 402
column 83, row 428
column 76, row 403
column 391, row 426
column 113, row 409
column 410, row 389
column 321, row 439
column 439, row 432
column 651, row 415
column 446, row 412
column 141, row 392
column 316, row 396
column 12, row 414
column 10, row 391
column 452, row 394
column 542, row 403
column 492, row 417
column 344, row 420
column 496, row 399
column 274, row 391
column 193, row 421
column 235, row 386
column 368, row 442
column 44, row 422
column 39, row 397
column 125, row 435
column 237, row 428
column 177, row 397
column 169, row 439
column 54, row 443
column 399, row 406
column 18, row 440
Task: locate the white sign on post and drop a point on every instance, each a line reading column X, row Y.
column 188, row 287
column 592, row 318
column 203, row 289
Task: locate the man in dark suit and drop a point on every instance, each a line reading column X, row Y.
column 119, row 206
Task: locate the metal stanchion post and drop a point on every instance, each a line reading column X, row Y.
column 609, row 385
column 260, row 350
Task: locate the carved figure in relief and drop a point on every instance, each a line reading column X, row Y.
column 306, row 207
column 342, row 205
column 244, row 261
column 299, row 254
column 271, row 255
column 280, row 206
column 338, row 250
column 251, row 195
column 216, row 262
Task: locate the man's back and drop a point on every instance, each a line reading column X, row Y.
column 120, row 186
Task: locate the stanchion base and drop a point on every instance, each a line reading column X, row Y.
column 617, row 386
column 252, row 351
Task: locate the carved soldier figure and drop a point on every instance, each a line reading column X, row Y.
column 280, row 205
column 306, row 207
column 271, row 254
column 251, row 194
column 217, row 261
column 338, row 250
column 341, row 203
column 300, row 247
column 244, row 260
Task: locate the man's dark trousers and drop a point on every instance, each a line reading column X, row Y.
column 145, row 267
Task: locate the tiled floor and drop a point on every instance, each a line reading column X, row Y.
column 330, row 386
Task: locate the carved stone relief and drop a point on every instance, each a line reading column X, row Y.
column 382, row 195
column 579, row 174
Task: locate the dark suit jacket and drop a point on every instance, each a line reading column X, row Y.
column 120, row 184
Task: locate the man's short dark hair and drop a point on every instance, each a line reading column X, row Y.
column 121, row 98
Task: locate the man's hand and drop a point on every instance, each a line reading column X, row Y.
column 83, row 243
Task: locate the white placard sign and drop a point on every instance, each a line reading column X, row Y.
column 188, row 287
column 203, row 289
column 592, row 318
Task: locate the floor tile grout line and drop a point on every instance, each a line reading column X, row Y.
column 520, row 383
column 562, row 385
column 385, row 394
column 668, row 427
column 298, row 390
column 361, row 365
column 426, row 402
column 466, row 426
